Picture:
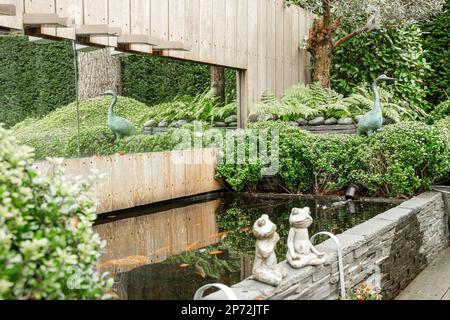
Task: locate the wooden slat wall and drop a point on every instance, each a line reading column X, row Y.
column 144, row 178
column 259, row 36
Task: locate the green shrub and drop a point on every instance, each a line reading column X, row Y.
column 396, row 52
column 441, row 111
column 34, row 79
column 399, row 161
column 404, row 159
column 436, row 40
column 48, row 249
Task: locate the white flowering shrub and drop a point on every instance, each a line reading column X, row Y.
column 48, row 249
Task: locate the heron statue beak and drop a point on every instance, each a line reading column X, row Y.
column 391, row 79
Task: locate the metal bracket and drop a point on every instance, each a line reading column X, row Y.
column 340, row 260
column 227, row 290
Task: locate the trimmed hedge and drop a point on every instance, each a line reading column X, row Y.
column 154, row 80
column 34, row 79
column 399, row 161
column 436, row 42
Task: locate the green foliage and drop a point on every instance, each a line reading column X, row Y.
column 154, row 80
column 399, row 161
column 56, row 134
column 48, row 249
column 202, row 107
column 396, row 52
column 34, row 79
column 436, row 43
column 403, row 159
column 308, row 101
column 441, row 111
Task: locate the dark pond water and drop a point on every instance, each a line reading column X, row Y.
column 168, row 252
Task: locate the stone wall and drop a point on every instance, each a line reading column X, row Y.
column 389, row 250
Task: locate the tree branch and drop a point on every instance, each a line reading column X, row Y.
column 350, row 36
column 326, row 12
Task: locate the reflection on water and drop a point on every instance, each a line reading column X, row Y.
column 168, row 253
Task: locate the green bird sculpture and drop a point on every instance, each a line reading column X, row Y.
column 373, row 120
column 120, row 126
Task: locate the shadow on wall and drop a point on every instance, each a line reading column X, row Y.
column 405, row 260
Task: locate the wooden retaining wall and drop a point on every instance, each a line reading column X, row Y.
column 261, row 38
column 145, row 178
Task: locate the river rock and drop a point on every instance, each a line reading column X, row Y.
column 163, row 124
column 233, row 124
column 293, row 124
column 302, row 122
column 345, row 121
column 317, row 121
column 231, row 119
column 220, row 124
column 331, row 121
column 182, row 122
column 387, row 121
column 174, row 124
column 357, row 118
column 150, row 123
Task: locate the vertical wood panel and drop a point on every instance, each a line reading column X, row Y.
column 219, row 28
column 271, row 46
column 96, row 12
column 159, row 16
column 262, row 47
column 70, row 9
column 177, row 14
column 140, row 22
column 295, row 40
column 192, row 28
column 242, row 31
column 206, row 32
column 252, row 50
column 231, row 32
column 279, row 34
column 287, row 49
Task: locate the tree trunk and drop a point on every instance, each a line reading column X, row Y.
column 322, row 64
column 218, row 82
column 98, row 72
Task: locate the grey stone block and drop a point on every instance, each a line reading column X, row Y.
column 345, row 121
column 150, row 123
column 396, row 214
column 317, row 121
column 230, row 119
column 372, row 228
column 302, row 122
column 331, row 121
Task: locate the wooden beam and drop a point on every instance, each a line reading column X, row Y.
column 46, row 19
column 97, row 30
column 7, row 10
column 138, row 39
column 172, row 45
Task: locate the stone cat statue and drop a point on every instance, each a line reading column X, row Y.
column 265, row 267
column 301, row 251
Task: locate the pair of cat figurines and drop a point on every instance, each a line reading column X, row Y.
column 300, row 253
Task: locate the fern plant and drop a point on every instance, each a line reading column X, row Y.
column 308, row 101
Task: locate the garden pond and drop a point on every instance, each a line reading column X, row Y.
column 169, row 251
